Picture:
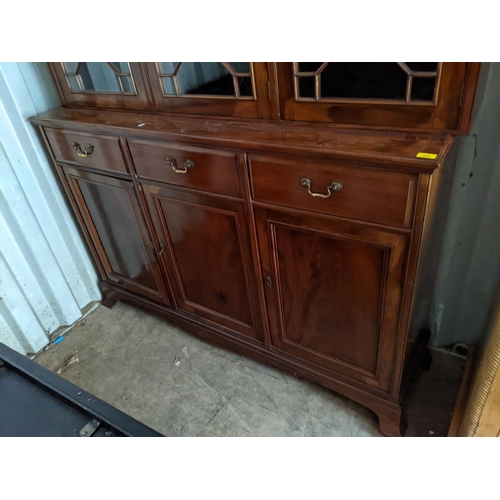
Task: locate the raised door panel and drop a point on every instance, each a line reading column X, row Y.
column 115, row 228
column 207, row 255
column 211, row 88
column 333, row 292
column 113, row 85
column 402, row 95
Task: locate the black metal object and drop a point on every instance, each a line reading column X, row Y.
column 36, row 402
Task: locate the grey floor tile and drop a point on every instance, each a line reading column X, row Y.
column 257, row 421
column 221, row 427
column 349, row 419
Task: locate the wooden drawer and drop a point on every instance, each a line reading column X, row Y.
column 197, row 168
column 368, row 195
column 103, row 151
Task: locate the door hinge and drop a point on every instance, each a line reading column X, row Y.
column 269, row 89
column 269, row 282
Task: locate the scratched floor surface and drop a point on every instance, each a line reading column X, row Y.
column 127, row 358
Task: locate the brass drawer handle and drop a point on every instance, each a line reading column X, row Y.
column 188, row 164
column 89, row 149
column 335, row 186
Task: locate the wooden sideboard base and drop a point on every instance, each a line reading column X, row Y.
column 419, row 356
column 392, row 423
column 389, row 412
column 109, row 298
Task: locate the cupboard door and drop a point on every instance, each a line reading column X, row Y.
column 115, row 85
column 404, row 95
column 207, row 255
column 116, row 231
column 211, row 88
column 333, row 292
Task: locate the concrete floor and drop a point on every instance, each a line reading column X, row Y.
column 126, row 358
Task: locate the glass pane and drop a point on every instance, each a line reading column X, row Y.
column 114, row 219
column 128, row 85
column 168, row 85
column 240, row 67
column 363, row 81
column 245, row 86
column 101, row 77
column 309, row 67
column 423, row 66
column 73, row 83
column 205, row 78
column 121, row 67
column 306, row 87
column 167, row 68
column 98, row 77
column 422, row 89
column 70, row 67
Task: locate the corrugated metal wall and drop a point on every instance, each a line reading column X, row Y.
column 469, row 266
column 46, row 274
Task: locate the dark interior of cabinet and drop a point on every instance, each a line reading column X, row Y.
column 223, row 86
column 372, row 80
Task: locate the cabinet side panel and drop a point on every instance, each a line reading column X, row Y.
column 434, row 227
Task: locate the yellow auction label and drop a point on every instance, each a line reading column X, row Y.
column 429, row 156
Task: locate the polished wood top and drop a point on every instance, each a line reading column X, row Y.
column 382, row 148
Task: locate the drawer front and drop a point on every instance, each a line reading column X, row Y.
column 355, row 193
column 197, row 168
column 89, row 150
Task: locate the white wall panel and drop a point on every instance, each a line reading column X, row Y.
column 46, row 274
